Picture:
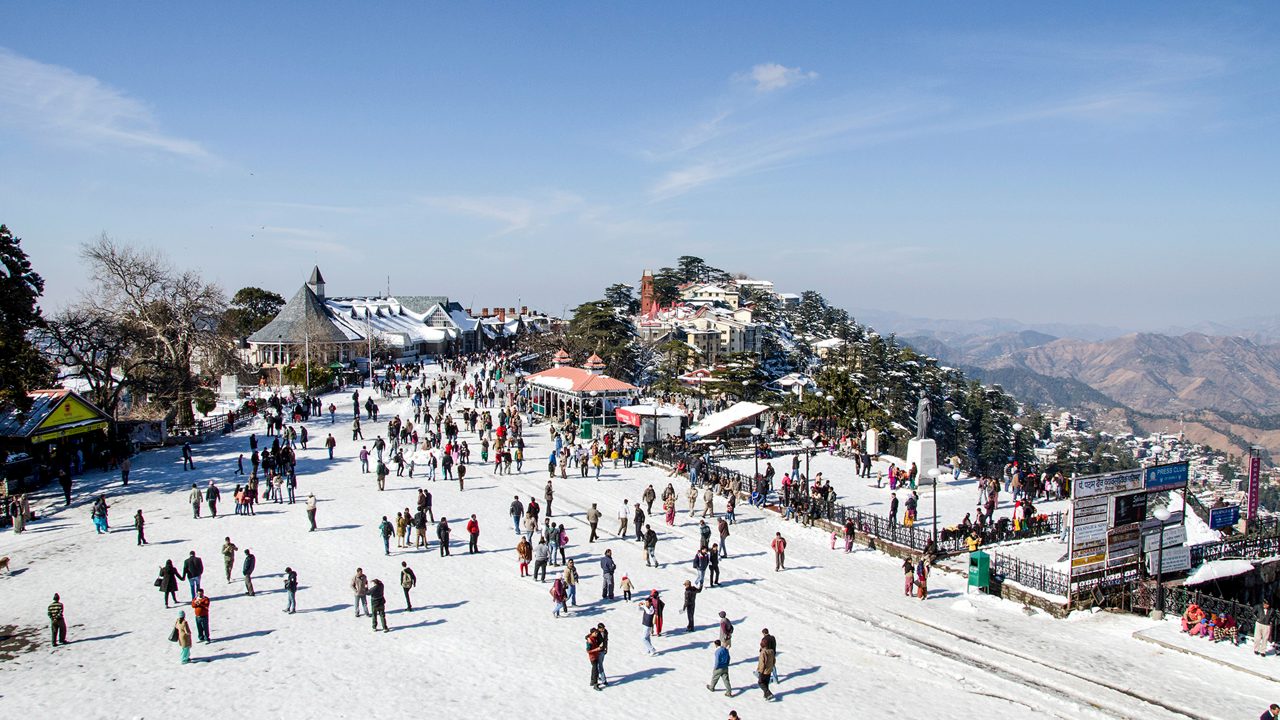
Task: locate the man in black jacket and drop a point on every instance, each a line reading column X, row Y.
column 250, row 562
column 690, row 599
column 650, row 545
column 193, row 568
column 378, row 604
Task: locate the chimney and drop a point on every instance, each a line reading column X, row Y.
column 502, row 315
column 524, row 309
column 484, row 312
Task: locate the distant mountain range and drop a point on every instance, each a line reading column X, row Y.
column 1221, row 388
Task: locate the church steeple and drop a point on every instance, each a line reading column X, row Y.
column 316, row 282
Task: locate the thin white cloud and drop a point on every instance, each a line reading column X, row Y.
column 315, row 207
column 513, row 213
column 50, row 99
column 768, row 77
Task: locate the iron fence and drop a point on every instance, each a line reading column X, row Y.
column 1030, row 574
column 1178, row 599
column 1249, row 547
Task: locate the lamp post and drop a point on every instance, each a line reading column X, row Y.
column 280, row 363
column 1017, row 436
column 831, row 412
column 933, row 476
column 808, row 446
column 755, row 439
column 1162, row 514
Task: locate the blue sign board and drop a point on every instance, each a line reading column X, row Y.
column 1221, row 517
column 1165, row 477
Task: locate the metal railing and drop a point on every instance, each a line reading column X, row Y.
column 878, row 526
column 1249, row 547
column 1030, row 574
column 1178, row 599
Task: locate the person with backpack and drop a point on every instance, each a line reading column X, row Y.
column 726, row 630
column 408, row 581
column 386, row 529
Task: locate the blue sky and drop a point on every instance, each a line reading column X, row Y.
column 1107, row 163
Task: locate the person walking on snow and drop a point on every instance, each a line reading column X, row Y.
column 779, row 546
column 195, row 497
column 193, row 568
column 646, row 622
column 311, row 511
column 386, row 530
column 720, row 669
column 408, row 581
column 766, row 662
column 182, row 634
column 228, row 556
column 595, row 649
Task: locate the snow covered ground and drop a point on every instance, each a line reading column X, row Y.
column 483, row 642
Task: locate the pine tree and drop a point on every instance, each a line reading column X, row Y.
column 22, row 366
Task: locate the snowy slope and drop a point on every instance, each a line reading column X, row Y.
column 484, row 643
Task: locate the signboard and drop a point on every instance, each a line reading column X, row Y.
column 1089, row 534
column 1174, row 560
column 1226, row 516
column 1086, row 563
column 1106, row 484
column 1166, row 477
column 1173, row 535
column 1255, row 473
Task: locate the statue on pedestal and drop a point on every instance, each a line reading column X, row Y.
column 924, row 414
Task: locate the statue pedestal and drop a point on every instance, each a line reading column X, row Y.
column 872, row 442
column 924, row 453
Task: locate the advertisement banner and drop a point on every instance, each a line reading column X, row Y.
column 1255, row 475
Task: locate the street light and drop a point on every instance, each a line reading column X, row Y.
column 807, row 444
column 755, row 439
column 831, row 413
column 933, row 475
column 1017, row 433
column 1162, row 514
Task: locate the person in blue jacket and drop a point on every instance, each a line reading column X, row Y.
column 720, row 670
